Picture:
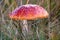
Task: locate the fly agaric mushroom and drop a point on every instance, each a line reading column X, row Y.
column 28, row 12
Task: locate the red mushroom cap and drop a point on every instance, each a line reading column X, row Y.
column 28, row 12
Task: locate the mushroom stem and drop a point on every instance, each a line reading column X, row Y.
column 24, row 27
column 27, row 2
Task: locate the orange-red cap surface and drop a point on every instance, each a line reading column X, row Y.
column 28, row 12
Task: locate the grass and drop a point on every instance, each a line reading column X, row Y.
column 41, row 29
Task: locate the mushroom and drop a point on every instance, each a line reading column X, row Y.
column 28, row 12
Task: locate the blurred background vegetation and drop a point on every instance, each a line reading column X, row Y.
column 41, row 29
